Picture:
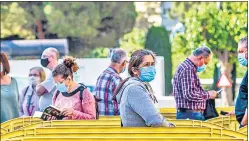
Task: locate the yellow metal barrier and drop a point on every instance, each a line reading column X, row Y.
column 99, row 123
column 125, row 132
column 243, row 130
column 173, row 110
column 17, row 123
column 234, row 126
column 226, row 109
column 3, row 131
column 224, row 121
column 169, row 113
column 14, row 124
column 121, row 139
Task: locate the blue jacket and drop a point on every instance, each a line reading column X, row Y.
column 242, row 99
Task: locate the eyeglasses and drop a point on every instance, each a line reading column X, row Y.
column 34, row 75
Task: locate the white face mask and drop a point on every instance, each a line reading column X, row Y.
column 34, row 80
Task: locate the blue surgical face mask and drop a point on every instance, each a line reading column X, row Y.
column 242, row 59
column 201, row 68
column 61, row 87
column 147, row 74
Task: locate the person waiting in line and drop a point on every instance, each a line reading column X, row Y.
column 135, row 95
column 9, row 91
column 189, row 95
column 45, row 90
column 108, row 81
column 241, row 109
column 70, row 100
column 29, row 100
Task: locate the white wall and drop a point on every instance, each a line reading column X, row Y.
column 89, row 70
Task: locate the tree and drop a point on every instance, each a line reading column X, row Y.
column 133, row 41
column 13, row 21
column 89, row 24
column 218, row 27
column 149, row 14
column 157, row 40
column 96, row 23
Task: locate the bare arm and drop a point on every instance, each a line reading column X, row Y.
column 244, row 120
column 40, row 90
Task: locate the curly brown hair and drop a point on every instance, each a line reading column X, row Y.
column 67, row 68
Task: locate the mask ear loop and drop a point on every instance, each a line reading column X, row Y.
column 70, row 85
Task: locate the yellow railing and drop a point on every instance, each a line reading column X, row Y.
column 187, row 132
column 120, row 139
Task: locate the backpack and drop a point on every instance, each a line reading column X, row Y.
column 82, row 88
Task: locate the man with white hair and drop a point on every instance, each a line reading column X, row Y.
column 108, row 81
column 45, row 90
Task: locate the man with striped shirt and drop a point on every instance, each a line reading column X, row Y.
column 108, row 81
column 189, row 95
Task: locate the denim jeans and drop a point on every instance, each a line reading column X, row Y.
column 190, row 115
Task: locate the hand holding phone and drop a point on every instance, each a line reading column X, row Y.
column 219, row 92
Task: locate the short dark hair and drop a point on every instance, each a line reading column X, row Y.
column 244, row 41
column 203, row 50
column 5, row 62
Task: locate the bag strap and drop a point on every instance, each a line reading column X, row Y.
column 26, row 92
column 112, row 73
column 82, row 88
column 123, row 91
column 57, row 93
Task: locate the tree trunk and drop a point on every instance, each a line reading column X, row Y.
column 226, row 68
column 40, row 33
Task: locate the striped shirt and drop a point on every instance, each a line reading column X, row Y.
column 187, row 88
column 105, row 87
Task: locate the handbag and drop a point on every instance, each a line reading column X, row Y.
column 210, row 111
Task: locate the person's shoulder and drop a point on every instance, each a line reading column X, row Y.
column 104, row 75
column 136, row 87
column 116, row 77
column 13, row 81
column 87, row 95
column 183, row 67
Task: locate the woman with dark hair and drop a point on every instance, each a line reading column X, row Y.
column 29, row 100
column 135, row 95
column 9, row 91
column 73, row 99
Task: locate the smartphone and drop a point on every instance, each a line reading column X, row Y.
column 219, row 92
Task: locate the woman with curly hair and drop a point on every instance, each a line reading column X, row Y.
column 73, row 99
